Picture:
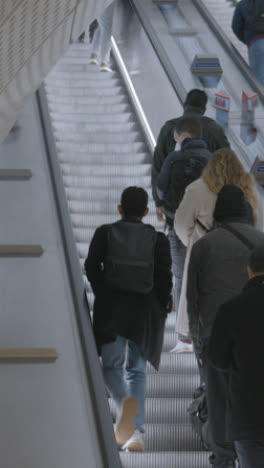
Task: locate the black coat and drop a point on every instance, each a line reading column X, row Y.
column 236, row 346
column 213, row 134
column 140, row 318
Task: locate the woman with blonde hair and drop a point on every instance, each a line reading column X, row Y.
column 194, row 216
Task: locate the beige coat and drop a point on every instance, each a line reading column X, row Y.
column 198, row 203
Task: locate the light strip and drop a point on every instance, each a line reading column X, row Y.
column 139, row 109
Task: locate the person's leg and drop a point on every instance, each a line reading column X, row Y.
column 223, row 452
column 95, row 45
column 256, row 59
column 113, row 358
column 250, row 453
column 105, row 23
column 178, row 252
column 136, row 380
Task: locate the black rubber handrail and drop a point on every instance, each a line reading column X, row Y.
column 97, row 393
column 161, row 52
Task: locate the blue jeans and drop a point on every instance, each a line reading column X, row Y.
column 178, row 253
column 256, row 59
column 121, row 383
column 250, row 453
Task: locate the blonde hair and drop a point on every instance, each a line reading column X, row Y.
column 224, row 168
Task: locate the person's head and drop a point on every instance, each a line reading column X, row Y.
column 231, row 205
column 187, row 127
column 134, row 203
column 256, row 262
column 225, row 168
column 196, row 98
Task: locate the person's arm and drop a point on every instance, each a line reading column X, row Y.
column 164, row 177
column 164, row 146
column 238, row 23
column 186, row 215
column 221, row 343
column 96, row 256
column 162, row 270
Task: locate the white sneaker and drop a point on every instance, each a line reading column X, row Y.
column 135, row 443
column 94, row 60
column 182, row 347
column 104, row 67
column 125, row 423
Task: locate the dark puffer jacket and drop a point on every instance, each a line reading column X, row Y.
column 190, row 146
column 239, row 23
column 140, row 318
column 213, row 134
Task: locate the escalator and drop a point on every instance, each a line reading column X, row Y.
column 102, row 148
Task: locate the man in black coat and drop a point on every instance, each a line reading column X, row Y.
column 236, row 347
column 129, row 319
column 194, row 107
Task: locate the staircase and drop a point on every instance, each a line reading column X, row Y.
column 101, row 151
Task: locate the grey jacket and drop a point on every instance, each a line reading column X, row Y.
column 217, row 272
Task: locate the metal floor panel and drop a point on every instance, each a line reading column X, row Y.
column 101, row 151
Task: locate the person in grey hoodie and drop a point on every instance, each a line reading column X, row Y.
column 217, row 271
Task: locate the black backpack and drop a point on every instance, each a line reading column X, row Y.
column 183, row 172
column 129, row 264
column 255, row 17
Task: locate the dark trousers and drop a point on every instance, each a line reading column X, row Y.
column 224, row 454
column 250, row 453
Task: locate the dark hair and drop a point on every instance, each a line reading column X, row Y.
column 189, row 125
column 256, row 259
column 196, row 98
column 134, row 201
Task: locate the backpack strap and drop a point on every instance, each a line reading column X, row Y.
column 202, row 226
column 240, row 236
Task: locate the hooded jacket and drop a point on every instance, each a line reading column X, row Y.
column 213, row 135
column 190, row 146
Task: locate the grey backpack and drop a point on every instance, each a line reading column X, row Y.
column 129, row 264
